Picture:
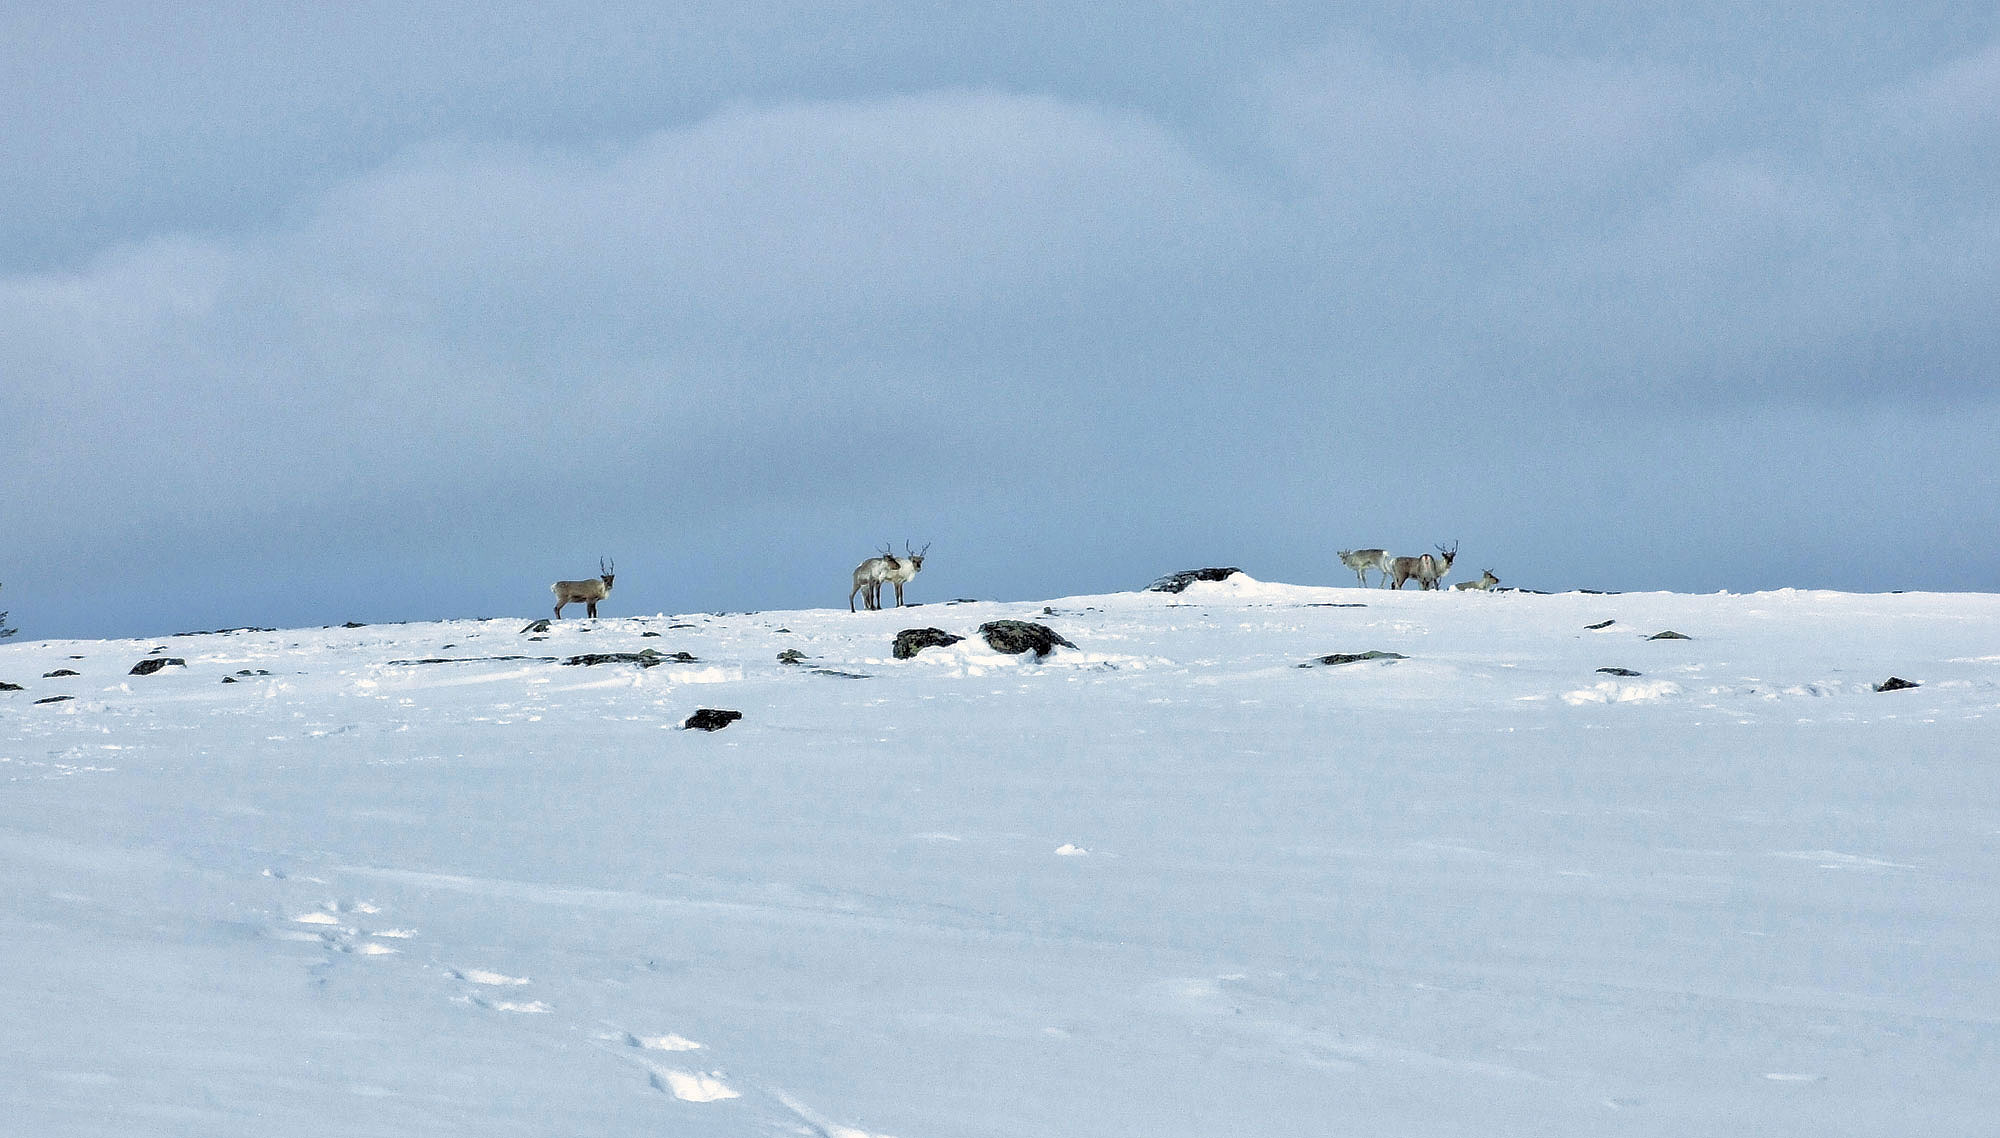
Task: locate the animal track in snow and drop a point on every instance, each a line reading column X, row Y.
column 482, row 976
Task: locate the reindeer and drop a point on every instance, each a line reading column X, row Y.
column 1486, row 581
column 1362, row 560
column 586, row 593
column 870, row 574
column 868, row 578
column 1428, row 569
column 901, row 572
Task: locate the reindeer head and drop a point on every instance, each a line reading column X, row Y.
column 606, row 572
column 916, row 556
column 1448, row 554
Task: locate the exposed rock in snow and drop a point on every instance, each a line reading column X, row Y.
column 1016, row 636
column 710, row 719
column 1178, row 582
column 911, row 641
column 148, row 667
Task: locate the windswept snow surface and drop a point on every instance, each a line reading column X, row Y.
column 1168, row 883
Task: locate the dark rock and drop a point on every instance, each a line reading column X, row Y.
column 148, row 667
column 1353, row 658
column 838, row 673
column 911, row 641
column 645, row 659
column 231, row 680
column 1015, row 636
column 644, row 635
column 4, row 686
column 1600, row 624
column 1618, row 671
column 1896, row 683
column 456, row 660
column 791, row 656
column 1669, row 634
column 225, row 631
column 1177, row 582
column 59, row 672
column 55, row 698
column 710, row 719
column 541, row 625
column 354, row 624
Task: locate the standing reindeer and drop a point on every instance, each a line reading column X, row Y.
column 1486, row 582
column 586, row 593
column 870, row 574
column 1428, row 569
column 900, row 574
column 1362, row 560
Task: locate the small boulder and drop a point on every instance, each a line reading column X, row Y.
column 710, row 719
column 1016, row 636
column 1600, row 624
column 911, row 641
column 148, row 667
column 55, row 699
column 1178, row 582
column 541, row 625
column 60, row 672
column 791, row 656
column 1896, row 683
column 1669, row 634
column 5, row 686
column 1339, row 658
column 1618, row 671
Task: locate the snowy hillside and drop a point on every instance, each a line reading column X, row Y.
column 1168, row 882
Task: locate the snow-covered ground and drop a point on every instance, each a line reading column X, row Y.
column 1168, row 883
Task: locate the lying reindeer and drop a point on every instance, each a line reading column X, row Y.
column 1362, row 560
column 586, row 593
column 1428, row 569
column 870, row 575
column 1486, row 581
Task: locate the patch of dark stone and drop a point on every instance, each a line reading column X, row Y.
column 1178, row 582
column 59, row 672
column 791, row 656
column 1669, row 634
column 225, row 631
column 837, row 673
column 1897, row 683
column 671, row 627
column 710, row 719
column 1600, row 624
column 644, row 635
column 468, row 660
column 148, row 667
column 1339, row 658
column 354, row 624
column 1016, row 636
column 963, row 601
column 541, row 625
column 5, row 686
column 911, row 641
column 644, row 659
column 1600, row 592
column 1618, row 671
column 55, row 699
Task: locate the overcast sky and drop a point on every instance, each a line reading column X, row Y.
column 313, row 313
